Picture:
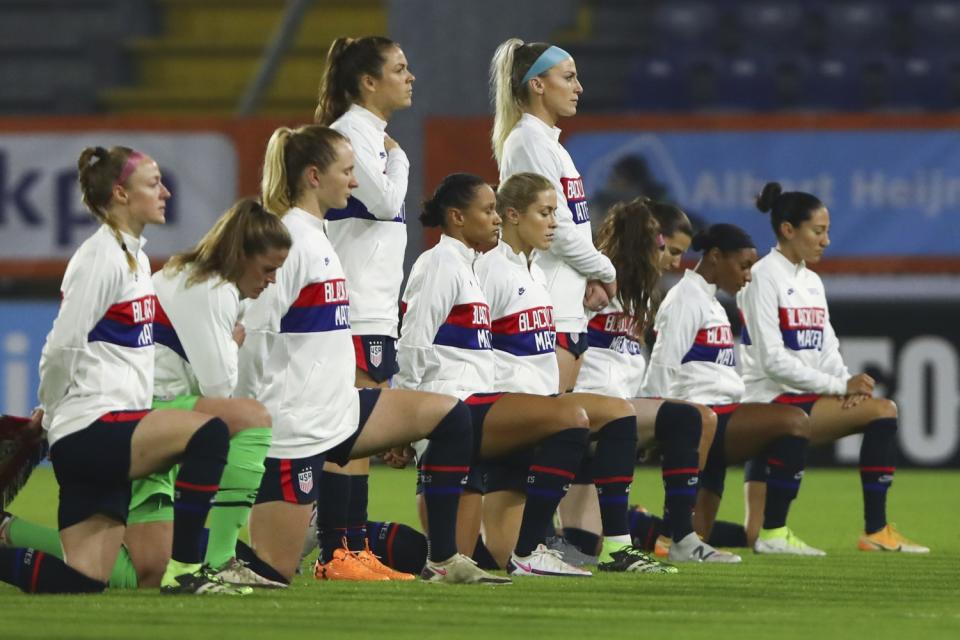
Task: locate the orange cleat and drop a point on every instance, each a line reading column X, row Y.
column 346, row 565
column 889, row 539
column 661, row 548
column 372, row 562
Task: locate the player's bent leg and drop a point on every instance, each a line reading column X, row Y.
column 148, row 545
column 469, row 518
column 502, row 515
column 277, row 531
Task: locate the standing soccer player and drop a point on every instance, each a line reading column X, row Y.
column 791, row 355
column 366, row 80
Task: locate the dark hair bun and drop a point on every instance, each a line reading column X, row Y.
column 771, row 191
column 700, row 240
column 432, row 214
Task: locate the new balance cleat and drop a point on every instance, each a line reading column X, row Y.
column 200, row 582
column 346, row 565
column 889, row 539
column 571, row 553
column 631, row 559
column 459, row 569
column 692, row 549
column 372, row 562
column 239, row 574
column 544, row 562
column 782, row 541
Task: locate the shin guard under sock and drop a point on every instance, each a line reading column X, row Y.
column 443, row 471
column 878, row 460
column 554, row 467
column 238, row 489
column 613, row 472
column 332, row 513
column 786, row 457
column 678, row 428
column 195, row 487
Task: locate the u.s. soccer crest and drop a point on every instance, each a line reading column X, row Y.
column 376, row 354
column 305, row 478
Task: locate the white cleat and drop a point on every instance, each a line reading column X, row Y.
column 459, row 569
column 239, row 574
column 544, row 562
column 782, row 541
column 692, row 549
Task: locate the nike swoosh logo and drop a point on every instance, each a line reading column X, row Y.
column 528, row 567
column 439, row 571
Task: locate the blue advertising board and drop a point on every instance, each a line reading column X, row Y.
column 890, row 193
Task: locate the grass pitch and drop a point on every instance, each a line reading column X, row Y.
column 848, row 594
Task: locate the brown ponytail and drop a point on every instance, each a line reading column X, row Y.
column 348, row 60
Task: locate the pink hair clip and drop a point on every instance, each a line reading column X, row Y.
column 128, row 168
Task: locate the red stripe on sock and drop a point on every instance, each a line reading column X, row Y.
column 775, row 462
column 442, row 469
column 684, row 471
column 286, row 482
column 613, row 480
column 393, row 534
column 877, row 469
column 209, row 488
column 37, row 561
column 553, row 471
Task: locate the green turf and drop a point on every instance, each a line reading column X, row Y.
column 848, row 594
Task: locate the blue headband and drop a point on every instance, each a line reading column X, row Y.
column 550, row 57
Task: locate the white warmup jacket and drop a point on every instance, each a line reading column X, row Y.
column 196, row 353
column 445, row 344
column 524, row 336
column 614, row 364
column 370, row 234
column 99, row 355
column 788, row 344
column 297, row 358
column 693, row 358
column 534, row 146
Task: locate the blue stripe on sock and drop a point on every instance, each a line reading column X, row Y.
column 875, row 486
column 544, row 493
column 683, row 491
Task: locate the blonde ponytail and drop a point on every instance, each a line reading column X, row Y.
column 274, row 187
column 289, row 153
column 506, row 105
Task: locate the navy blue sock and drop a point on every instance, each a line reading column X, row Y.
column 587, row 541
column 677, row 428
column 333, row 513
column 357, row 512
column 34, row 571
column 786, row 457
column 258, row 566
column 398, row 546
column 613, row 472
column 443, row 471
column 196, row 486
column 727, row 534
column 645, row 528
column 483, row 557
column 554, row 467
column 878, row 460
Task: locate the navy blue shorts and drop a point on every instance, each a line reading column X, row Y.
column 92, row 467
column 294, row 480
column 714, row 474
column 575, row 343
column 804, row 401
column 377, row 356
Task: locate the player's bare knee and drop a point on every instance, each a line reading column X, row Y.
column 797, row 424
column 885, row 408
column 248, row 414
